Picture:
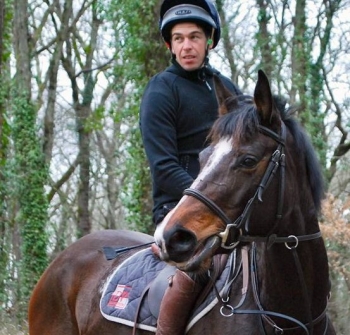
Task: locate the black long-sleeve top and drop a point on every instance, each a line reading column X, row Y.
column 177, row 111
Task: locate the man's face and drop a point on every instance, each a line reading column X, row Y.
column 188, row 43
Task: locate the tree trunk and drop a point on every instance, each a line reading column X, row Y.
column 263, row 37
column 30, row 172
column 299, row 59
column 83, row 112
column 3, row 244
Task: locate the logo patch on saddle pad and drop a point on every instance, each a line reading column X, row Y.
column 120, row 297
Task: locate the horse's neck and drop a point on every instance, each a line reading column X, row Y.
column 281, row 282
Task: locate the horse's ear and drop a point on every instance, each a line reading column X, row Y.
column 264, row 101
column 222, row 94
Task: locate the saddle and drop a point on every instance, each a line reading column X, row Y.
column 133, row 293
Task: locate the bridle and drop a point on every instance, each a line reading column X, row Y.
column 276, row 163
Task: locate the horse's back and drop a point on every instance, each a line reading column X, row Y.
column 65, row 301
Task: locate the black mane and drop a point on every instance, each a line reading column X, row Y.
column 242, row 121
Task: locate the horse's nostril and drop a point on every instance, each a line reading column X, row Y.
column 180, row 244
column 181, row 237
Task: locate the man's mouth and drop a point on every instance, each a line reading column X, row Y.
column 189, row 57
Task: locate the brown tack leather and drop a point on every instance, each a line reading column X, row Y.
column 177, row 304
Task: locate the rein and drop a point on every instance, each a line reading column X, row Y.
column 277, row 162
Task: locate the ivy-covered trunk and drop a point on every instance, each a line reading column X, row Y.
column 30, row 169
column 145, row 55
column 264, row 42
column 300, row 59
column 316, row 82
column 83, row 112
column 4, row 133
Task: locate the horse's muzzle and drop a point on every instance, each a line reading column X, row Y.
column 179, row 244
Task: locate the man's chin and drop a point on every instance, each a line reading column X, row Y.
column 189, row 67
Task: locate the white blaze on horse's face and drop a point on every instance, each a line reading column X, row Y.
column 221, row 149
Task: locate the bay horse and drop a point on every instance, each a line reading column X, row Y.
column 258, row 192
column 256, row 198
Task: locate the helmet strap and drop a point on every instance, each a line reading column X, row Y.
column 209, row 43
column 211, row 38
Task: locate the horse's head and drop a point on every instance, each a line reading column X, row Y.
column 241, row 187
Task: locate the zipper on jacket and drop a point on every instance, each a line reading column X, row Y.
column 202, row 76
column 206, row 83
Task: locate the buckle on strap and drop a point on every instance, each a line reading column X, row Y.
column 225, row 234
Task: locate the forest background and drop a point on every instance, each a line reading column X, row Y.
column 71, row 160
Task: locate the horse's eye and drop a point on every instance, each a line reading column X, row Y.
column 249, row 162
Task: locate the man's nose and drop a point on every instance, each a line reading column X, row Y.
column 187, row 43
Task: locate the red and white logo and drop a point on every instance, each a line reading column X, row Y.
column 120, row 297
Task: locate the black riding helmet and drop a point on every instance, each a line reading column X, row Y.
column 201, row 11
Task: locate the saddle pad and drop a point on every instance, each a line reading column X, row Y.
column 123, row 290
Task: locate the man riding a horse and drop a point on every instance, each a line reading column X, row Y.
column 178, row 109
column 258, row 196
